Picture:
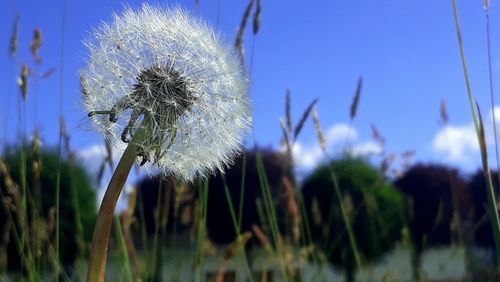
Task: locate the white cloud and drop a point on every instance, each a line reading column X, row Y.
column 91, row 159
column 341, row 132
column 307, row 156
column 456, row 142
column 366, row 148
column 496, row 109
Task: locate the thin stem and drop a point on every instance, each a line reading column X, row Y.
column 492, row 92
column 242, row 188
column 102, row 230
column 464, row 66
column 492, row 205
column 270, row 211
column 345, row 217
column 237, row 228
column 59, row 147
column 123, row 249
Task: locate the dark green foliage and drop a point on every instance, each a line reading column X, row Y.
column 75, row 192
column 219, row 223
column 374, row 208
column 437, row 204
column 433, row 192
column 483, row 234
column 152, row 191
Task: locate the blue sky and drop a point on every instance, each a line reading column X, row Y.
column 406, row 51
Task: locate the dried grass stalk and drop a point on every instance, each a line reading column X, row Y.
column 443, row 112
column 377, row 136
column 36, row 148
column 256, row 17
column 408, row 154
column 14, row 38
column 486, row 4
column 36, row 43
column 356, row 98
column 286, row 138
column 319, row 131
column 288, row 111
column 482, row 139
column 303, row 119
column 263, row 239
column 386, row 163
column 23, row 81
column 127, row 219
column 239, row 37
column 292, row 208
column 48, row 73
column 236, row 245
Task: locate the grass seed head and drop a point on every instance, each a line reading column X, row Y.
column 355, row 100
column 257, row 16
column 36, row 43
column 443, row 111
column 14, row 38
column 23, row 81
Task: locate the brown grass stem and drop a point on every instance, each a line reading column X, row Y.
column 102, row 229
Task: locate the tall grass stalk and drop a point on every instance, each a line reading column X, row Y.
column 76, row 205
column 492, row 204
column 242, row 189
column 201, row 236
column 490, row 78
column 23, row 215
column 142, row 220
column 155, row 250
column 271, row 214
column 237, row 228
column 59, row 146
column 337, row 193
column 123, row 249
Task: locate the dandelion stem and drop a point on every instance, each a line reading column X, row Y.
column 102, row 230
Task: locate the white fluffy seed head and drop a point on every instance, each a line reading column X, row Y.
column 170, row 69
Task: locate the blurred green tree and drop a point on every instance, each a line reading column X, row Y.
column 35, row 220
column 437, row 204
column 374, row 209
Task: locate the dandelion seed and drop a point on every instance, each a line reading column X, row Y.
column 170, row 71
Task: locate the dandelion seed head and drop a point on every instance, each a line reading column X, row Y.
column 170, row 70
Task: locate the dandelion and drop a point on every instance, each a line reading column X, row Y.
column 167, row 72
column 161, row 86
